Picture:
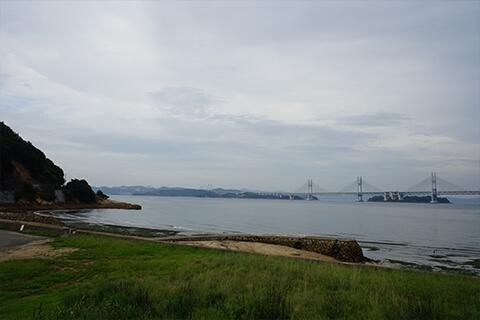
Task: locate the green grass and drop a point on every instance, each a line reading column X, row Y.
column 120, row 279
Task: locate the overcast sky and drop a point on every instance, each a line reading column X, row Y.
column 246, row 94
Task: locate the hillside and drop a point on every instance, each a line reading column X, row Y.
column 21, row 162
column 28, row 179
column 25, row 170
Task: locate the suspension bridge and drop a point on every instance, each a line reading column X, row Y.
column 432, row 186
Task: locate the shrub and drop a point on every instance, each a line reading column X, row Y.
column 81, row 190
column 27, row 192
column 101, row 195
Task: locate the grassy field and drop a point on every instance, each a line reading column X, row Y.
column 119, row 279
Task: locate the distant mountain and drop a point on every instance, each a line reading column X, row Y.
column 143, row 190
column 180, row 192
column 124, row 190
column 185, row 192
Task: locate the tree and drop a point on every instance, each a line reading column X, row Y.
column 27, row 192
column 14, row 149
column 81, row 190
column 102, row 195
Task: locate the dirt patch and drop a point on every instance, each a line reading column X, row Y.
column 37, row 249
column 261, row 248
column 23, row 172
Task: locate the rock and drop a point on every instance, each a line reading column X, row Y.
column 346, row 250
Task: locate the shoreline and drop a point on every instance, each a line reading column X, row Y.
column 223, row 241
column 286, row 246
column 308, row 248
column 101, row 204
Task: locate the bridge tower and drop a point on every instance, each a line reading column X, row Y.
column 359, row 189
column 434, row 188
column 310, row 189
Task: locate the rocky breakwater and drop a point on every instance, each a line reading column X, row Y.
column 345, row 250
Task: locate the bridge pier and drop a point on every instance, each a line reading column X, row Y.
column 434, row 188
column 310, row 189
column 359, row 190
column 392, row 195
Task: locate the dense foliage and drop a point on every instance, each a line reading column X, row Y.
column 26, row 170
column 101, row 195
column 81, row 190
column 16, row 150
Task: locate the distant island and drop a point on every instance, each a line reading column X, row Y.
column 179, row 192
column 408, row 199
column 189, row 192
column 139, row 190
column 242, row 194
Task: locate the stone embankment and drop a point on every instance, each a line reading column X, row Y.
column 346, row 250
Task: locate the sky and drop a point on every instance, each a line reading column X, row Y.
column 246, row 94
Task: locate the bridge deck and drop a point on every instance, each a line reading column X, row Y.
column 373, row 193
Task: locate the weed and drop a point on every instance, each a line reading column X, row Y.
column 37, row 313
column 106, row 299
column 182, row 303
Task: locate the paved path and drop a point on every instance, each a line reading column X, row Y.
column 9, row 239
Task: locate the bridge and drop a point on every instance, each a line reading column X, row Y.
column 360, row 188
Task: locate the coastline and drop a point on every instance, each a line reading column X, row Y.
column 100, row 204
column 305, row 248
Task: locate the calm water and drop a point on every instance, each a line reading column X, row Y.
column 440, row 236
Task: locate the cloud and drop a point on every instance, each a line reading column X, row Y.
column 379, row 119
column 245, row 94
column 184, row 101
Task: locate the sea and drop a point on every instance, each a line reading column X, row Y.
column 431, row 237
